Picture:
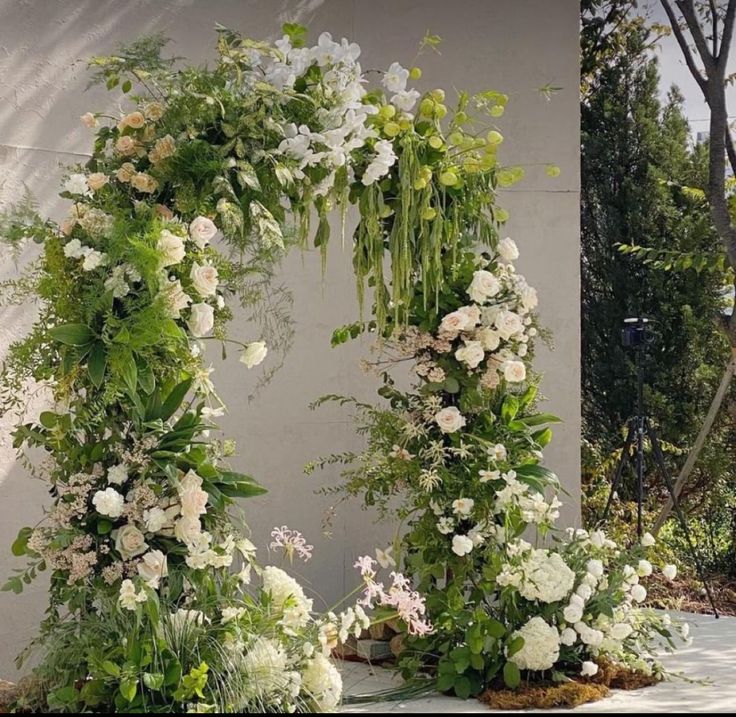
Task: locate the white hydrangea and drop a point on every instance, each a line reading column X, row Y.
column 265, row 664
column 547, row 577
column 288, row 596
column 541, row 645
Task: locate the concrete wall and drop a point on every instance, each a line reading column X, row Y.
column 509, row 45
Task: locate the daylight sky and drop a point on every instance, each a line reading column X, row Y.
column 674, row 71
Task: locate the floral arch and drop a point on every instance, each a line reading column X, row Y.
column 189, row 200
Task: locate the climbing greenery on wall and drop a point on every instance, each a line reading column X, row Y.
column 189, row 200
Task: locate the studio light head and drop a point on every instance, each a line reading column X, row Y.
column 634, row 334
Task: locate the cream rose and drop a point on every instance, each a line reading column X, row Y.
column 153, row 568
column 191, row 496
column 171, row 248
column 125, row 145
column 453, row 323
column 134, row 120
column 201, row 320
column 163, row 149
column 125, row 172
column 508, row 250
column 449, row 419
column 204, row 278
column 254, row 353
column 514, row 371
column 154, row 111
column 89, row 120
column 130, row 542
column 508, row 323
column 201, row 231
column 483, row 286
column 144, row 183
column 97, row 180
column 188, row 530
column 471, row 354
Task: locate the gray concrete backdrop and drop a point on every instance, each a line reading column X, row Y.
column 514, row 46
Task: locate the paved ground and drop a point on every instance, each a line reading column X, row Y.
column 711, row 658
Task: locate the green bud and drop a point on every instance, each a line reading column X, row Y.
column 428, row 214
column 415, row 73
column 448, row 178
column 494, row 137
column 391, row 129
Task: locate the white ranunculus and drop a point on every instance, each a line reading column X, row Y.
column 450, row 419
column 669, row 571
column 108, row 502
column 462, row 545
column 644, row 569
column 595, row 568
column 514, row 371
column 508, row 250
column 93, row 259
column 483, row 286
column 153, row 567
column 77, row 184
column 128, row 597
column 471, row 354
column 204, row 278
column 588, row 669
column 584, row 591
column 201, row 320
column 171, row 248
column 463, row 506
column 621, row 630
column 254, row 353
column 395, row 78
column 541, row 646
column 175, row 298
column 638, row 593
column 117, row 475
column 508, row 323
column 201, row 231
column 647, row 540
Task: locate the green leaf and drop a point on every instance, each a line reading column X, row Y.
column 72, row 334
column 48, row 419
column 451, row 384
column 126, row 87
column 174, row 399
column 246, row 176
column 96, row 363
column 495, row 628
column 511, row 675
column 20, row 544
column 153, row 681
column 130, row 373
column 514, row 646
column 463, row 688
column 509, row 409
column 111, row 668
column 129, row 688
column 296, row 33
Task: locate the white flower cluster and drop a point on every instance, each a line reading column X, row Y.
column 541, row 575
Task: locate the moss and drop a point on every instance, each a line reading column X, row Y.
column 567, row 694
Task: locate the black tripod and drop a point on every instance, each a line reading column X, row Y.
column 639, row 426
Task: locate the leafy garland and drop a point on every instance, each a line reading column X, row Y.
column 139, row 540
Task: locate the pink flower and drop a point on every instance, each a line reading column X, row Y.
column 366, row 566
column 292, row 541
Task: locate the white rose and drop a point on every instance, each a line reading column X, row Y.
column 644, row 569
column 584, row 591
column 669, row 571
column 452, row 324
column 573, row 613
column 471, row 354
column 204, row 278
column 595, row 568
column 638, row 593
column 108, row 502
column 588, row 669
column 175, row 298
column 508, row 323
column 647, row 540
column 450, row 420
column 201, row 320
column 489, row 339
column 77, row 184
column 191, row 496
column 472, row 313
column 483, row 286
column 153, row 567
column 462, row 545
column 254, row 353
column 188, row 530
column 514, row 371
column 117, row 474
column 171, row 248
column 201, row 231
column 130, row 542
column 621, row 630
column 508, row 250
column 463, row 506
